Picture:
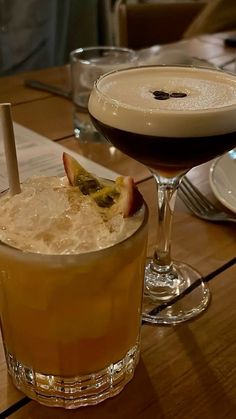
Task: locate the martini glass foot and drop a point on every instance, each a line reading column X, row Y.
column 173, row 297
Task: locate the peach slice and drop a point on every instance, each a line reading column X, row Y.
column 122, row 196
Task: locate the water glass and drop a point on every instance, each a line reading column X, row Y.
column 87, row 64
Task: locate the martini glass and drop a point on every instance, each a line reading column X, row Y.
column 171, row 118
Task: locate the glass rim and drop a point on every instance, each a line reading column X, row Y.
column 74, row 55
column 169, row 111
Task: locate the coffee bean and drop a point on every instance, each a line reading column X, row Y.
column 158, row 92
column 159, row 95
column 178, row 94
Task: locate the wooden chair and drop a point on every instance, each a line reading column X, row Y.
column 217, row 16
column 144, row 24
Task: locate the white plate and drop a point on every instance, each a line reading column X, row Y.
column 157, row 55
column 223, row 179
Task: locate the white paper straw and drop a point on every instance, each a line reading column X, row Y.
column 10, row 148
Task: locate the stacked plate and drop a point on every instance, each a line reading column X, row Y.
column 223, row 179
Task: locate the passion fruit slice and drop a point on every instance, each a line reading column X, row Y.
column 106, row 196
column 122, row 196
column 78, row 176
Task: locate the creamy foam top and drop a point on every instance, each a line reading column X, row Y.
column 126, row 100
column 51, row 217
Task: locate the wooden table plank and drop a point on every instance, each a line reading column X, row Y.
column 186, row 371
column 12, row 88
column 51, row 117
column 194, row 373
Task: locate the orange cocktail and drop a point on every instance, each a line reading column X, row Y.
column 71, row 320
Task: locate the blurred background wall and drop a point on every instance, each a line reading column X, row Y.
column 37, row 34
column 40, row 33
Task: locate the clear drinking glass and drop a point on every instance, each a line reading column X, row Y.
column 63, row 317
column 87, row 64
column 142, row 112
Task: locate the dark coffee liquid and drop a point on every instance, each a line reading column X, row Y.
column 167, row 154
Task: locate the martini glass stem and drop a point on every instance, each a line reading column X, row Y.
column 162, row 279
column 166, row 196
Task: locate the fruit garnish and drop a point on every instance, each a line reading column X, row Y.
column 122, row 196
column 78, row 176
column 106, row 196
column 130, row 199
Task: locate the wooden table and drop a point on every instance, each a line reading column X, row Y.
column 187, row 371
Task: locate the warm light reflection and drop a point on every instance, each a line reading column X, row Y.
column 112, row 150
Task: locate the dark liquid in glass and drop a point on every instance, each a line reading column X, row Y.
column 168, row 155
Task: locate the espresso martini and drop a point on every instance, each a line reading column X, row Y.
column 169, row 118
